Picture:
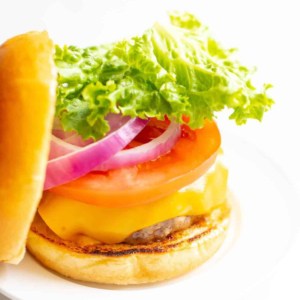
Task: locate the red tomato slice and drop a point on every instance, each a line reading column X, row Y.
column 191, row 157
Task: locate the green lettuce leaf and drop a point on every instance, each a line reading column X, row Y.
column 172, row 70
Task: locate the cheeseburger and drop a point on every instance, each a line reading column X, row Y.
column 110, row 166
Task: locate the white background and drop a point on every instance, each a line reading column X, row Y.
column 267, row 34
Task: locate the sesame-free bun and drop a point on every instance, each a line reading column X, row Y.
column 124, row 264
column 27, row 102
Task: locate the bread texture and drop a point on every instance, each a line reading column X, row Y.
column 27, row 103
column 125, row 264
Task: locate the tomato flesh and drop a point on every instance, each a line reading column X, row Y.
column 191, row 157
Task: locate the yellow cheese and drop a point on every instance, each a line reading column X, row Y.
column 69, row 218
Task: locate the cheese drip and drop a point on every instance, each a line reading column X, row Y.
column 70, row 219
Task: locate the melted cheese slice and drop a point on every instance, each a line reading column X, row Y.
column 71, row 219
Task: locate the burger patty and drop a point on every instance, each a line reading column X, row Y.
column 160, row 230
column 151, row 234
column 207, row 225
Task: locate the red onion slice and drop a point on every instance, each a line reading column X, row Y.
column 146, row 152
column 80, row 162
column 125, row 158
column 73, row 140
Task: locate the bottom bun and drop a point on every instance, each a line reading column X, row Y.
column 124, row 264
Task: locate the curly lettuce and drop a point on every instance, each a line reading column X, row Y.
column 176, row 70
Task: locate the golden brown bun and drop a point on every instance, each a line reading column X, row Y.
column 27, row 102
column 130, row 264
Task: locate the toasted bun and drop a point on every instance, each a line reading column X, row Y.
column 130, row 264
column 27, row 102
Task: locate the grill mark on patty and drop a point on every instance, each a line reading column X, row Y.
column 160, row 231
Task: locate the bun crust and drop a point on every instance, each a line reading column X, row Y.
column 27, row 103
column 130, row 264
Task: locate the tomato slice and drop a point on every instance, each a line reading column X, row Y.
column 191, row 157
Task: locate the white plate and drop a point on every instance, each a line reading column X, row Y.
column 260, row 234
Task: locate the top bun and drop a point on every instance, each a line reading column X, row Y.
column 27, row 105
